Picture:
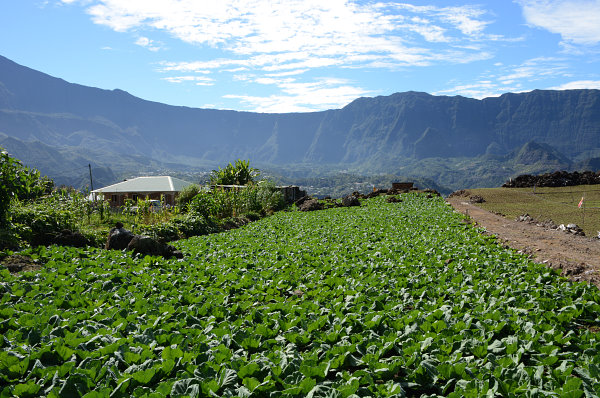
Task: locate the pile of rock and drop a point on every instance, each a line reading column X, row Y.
column 569, row 228
column 476, row 199
column 120, row 238
column 556, row 179
column 572, row 229
column 525, row 218
column 307, row 203
column 530, row 220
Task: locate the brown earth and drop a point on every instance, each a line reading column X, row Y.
column 577, row 257
column 17, row 263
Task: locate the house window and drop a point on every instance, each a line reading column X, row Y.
column 135, row 197
column 113, row 198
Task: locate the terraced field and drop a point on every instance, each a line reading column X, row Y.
column 383, row 300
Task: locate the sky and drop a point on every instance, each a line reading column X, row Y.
column 305, row 55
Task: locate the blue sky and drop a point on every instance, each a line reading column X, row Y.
column 305, row 55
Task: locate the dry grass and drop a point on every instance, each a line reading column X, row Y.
column 556, row 204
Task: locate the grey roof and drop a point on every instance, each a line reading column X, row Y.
column 146, row 184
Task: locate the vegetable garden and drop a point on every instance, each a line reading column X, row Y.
column 383, row 300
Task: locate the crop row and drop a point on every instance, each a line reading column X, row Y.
column 386, row 300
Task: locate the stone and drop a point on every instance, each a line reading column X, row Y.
column 70, row 238
column 300, row 201
column 145, row 245
column 350, row 200
column 311, row 205
column 118, row 238
column 476, row 199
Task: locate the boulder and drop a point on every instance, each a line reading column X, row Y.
column 300, row 201
column 118, row 238
column 145, row 245
column 572, row 228
column 476, row 199
column 431, row 192
column 311, row 205
column 350, row 200
column 525, row 218
column 70, row 238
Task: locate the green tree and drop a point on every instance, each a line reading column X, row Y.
column 18, row 182
column 239, row 173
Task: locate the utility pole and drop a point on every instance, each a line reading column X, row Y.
column 91, row 182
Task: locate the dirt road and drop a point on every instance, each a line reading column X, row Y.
column 578, row 257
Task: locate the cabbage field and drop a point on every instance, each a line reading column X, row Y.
column 382, row 300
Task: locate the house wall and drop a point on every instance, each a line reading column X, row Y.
column 118, row 199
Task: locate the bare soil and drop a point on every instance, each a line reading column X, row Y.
column 17, row 263
column 577, row 257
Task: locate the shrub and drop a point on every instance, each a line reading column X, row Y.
column 163, row 232
column 204, row 204
column 188, row 225
column 222, row 203
column 195, row 225
column 38, row 223
column 18, row 182
column 187, row 194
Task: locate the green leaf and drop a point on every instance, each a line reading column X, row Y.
column 307, row 385
column 251, row 383
column 29, row 389
column 323, row 392
column 249, row 370
column 572, row 388
column 186, row 387
column 76, row 385
column 144, row 377
column 171, row 353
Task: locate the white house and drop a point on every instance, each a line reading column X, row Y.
column 163, row 188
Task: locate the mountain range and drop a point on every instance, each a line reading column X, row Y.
column 457, row 142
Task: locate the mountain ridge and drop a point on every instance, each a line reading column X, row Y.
column 370, row 135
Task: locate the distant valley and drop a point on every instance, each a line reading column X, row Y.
column 445, row 142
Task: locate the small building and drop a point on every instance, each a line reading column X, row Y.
column 291, row 193
column 402, row 185
column 164, row 188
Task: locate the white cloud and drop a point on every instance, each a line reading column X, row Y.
column 535, row 69
column 198, row 80
column 466, row 19
column 288, row 73
column 325, row 93
column 147, row 43
column 513, row 78
column 318, row 33
column 479, row 90
column 577, row 21
column 579, row 84
column 278, row 42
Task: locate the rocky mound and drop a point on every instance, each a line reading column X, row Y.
column 556, row 179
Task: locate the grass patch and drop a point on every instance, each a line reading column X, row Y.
column 556, row 204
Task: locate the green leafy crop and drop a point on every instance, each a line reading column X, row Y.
column 382, row 300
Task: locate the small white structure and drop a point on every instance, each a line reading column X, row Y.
column 164, row 188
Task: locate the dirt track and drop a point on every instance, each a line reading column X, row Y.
column 578, row 257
